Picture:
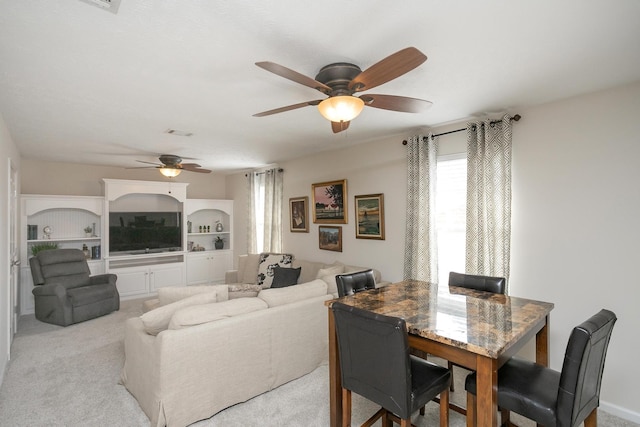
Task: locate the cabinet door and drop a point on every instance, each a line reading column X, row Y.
column 132, row 280
column 198, row 269
column 166, row 275
column 220, row 263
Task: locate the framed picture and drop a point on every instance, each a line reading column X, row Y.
column 370, row 216
column 299, row 214
column 330, row 237
column 328, row 202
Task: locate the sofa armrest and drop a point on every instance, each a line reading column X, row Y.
column 100, row 279
column 231, row 276
column 55, row 289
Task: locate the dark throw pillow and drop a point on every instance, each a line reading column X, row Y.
column 283, row 277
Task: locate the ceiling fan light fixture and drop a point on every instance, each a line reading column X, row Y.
column 170, row 172
column 342, row 108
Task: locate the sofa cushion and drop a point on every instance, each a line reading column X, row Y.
column 283, row 277
column 328, row 274
column 265, row 268
column 247, row 268
column 205, row 313
column 157, row 320
column 280, row 296
column 171, row 294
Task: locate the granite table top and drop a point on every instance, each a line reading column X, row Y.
column 480, row 322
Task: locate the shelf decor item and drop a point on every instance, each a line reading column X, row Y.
column 218, row 242
column 219, row 226
column 42, row 247
column 47, row 232
column 88, row 231
column 32, row 232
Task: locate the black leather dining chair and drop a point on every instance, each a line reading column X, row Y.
column 351, row 283
column 552, row 398
column 375, row 363
column 496, row 285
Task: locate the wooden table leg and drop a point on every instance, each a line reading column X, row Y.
column 487, row 392
column 542, row 344
column 335, row 379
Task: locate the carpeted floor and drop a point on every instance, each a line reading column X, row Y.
column 69, row 377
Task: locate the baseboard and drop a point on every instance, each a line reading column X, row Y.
column 621, row 412
column 4, row 365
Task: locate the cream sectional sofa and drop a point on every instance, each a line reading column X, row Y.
column 216, row 354
column 205, row 348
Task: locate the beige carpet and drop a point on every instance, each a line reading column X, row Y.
column 69, row 377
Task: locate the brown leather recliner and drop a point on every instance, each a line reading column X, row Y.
column 65, row 292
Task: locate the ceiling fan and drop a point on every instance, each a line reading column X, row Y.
column 172, row 166
column 341, row 80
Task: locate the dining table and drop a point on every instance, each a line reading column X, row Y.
column 474, row 329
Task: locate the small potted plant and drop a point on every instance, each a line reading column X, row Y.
column 218, row 242
column 42, row 247
column 88, row 231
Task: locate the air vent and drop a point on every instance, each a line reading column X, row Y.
column 110, row 5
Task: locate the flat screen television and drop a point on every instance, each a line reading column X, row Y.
column 144, row 232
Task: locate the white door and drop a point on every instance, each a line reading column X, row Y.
column 14, row 254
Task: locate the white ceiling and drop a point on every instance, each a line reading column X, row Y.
column 80, row 84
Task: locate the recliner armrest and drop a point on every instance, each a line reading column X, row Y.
column 100, row 279
column 55, row 289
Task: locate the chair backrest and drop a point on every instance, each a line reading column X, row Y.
column 374, row 357
column 66, row 266
column 581, row 376
column 351, row 283
column 497, row 285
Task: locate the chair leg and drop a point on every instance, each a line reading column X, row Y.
column 505, row 417
column 471, row 410
column 444, row 408
column 346, row 408
column 592, row 419
column 422, row 410
column 450, row 367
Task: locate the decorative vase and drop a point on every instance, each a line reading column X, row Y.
column 219, row 244
column 219, row 227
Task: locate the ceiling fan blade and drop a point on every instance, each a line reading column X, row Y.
column 144, row 167
column 339, row 126
column 388, row 69
column 396, row 103
column 149, row 163
column 189, row 165
column 287, row 108
column 295, row 76
column 195, row 169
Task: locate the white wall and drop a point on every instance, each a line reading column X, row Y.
column 8, row 151
column 39, row 177
column 576, row 200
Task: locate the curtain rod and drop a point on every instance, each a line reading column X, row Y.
column 515, row 118
column 267, row 171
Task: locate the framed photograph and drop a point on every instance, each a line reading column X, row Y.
column 329, row 205
column 330, row 237
column 370, row 216
column 299, row 214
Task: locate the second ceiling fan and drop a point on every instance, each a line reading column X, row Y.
column 341, row 80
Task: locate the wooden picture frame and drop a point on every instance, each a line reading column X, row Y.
column 330, row 238
column 299, row 214
column 369, row 212
column 329, row 205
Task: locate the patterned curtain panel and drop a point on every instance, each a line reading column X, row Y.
column 420, row 252
column 264, row 229
column 488, row 240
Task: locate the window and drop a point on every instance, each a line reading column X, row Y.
column 258, row 200
column 451, row 209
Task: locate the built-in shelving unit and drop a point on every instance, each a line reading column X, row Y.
column 66, row 217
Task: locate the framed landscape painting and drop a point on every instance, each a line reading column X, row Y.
column 328, row 202
column 370, row 216
column 330, row 238
column 299, row 214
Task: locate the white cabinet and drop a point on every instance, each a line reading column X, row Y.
column 65, row 219
column 145, row 275
column 208, row 267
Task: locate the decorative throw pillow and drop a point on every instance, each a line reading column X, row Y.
column 283, row 277
column 265, row 267
column 157, row 320
column 328, row 274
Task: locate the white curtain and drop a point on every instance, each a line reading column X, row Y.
column 265, row 211
column 421, row 252
column 488, row 240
